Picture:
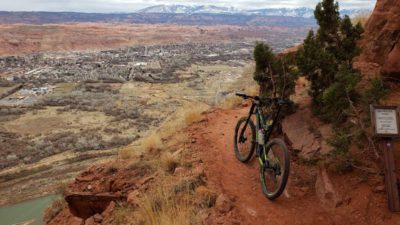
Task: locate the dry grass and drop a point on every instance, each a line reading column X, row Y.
column 162, row 207
column 169, row 133
column 231, row 102
column 361, row 18
column 151, row 142
column 188, row 114
column 170, row 161
column 127, row 153
column 123, row 215
column 192, row 113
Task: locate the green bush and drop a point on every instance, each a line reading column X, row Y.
column 326, row 60
column 273, row 73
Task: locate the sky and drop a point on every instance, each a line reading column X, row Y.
column 134, row 5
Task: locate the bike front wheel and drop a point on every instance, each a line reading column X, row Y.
column 274, row 172
column 245, row 139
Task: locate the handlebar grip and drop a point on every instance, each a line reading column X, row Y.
column 242, row 95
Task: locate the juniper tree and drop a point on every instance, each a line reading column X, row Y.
column 326, row 60
column 272, row 73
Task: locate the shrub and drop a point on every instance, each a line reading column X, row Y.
column 326, row 60
column 272, row 73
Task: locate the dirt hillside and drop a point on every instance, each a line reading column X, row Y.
column 313, row 195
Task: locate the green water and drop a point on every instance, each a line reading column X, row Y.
column 26, row 211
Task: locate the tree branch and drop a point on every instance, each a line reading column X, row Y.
column 362, row 125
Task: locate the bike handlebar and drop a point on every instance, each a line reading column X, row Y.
column 268, row 100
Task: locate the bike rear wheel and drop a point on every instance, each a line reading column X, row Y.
column 244, row 145
column 275, row 171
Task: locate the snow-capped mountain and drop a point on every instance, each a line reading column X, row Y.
column 176, row 9
column 296, row 12
column 210, row 9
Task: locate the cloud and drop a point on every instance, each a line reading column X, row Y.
column 133, row 5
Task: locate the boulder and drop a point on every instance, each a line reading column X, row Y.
column 297, row 128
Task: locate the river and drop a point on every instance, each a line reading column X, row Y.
column 31, row 210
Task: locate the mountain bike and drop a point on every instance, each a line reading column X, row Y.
column 273, row 155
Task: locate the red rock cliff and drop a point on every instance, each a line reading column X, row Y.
column 381, row 40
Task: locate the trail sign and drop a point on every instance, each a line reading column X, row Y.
column 385, row 122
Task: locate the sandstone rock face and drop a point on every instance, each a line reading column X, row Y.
column 392, row 65
column 381, row 40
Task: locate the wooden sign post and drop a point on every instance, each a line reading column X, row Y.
column 385, row 122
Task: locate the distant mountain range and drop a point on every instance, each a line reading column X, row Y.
column 210, row 9
column 184, row 9
column 155, row 18
column 179, row 14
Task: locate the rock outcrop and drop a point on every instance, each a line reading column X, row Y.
column 381, row 40
column 94, row 192
column 306, row 133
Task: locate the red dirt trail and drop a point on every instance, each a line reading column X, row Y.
column 213, row 139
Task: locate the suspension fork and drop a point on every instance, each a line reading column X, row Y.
column 248, row 119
